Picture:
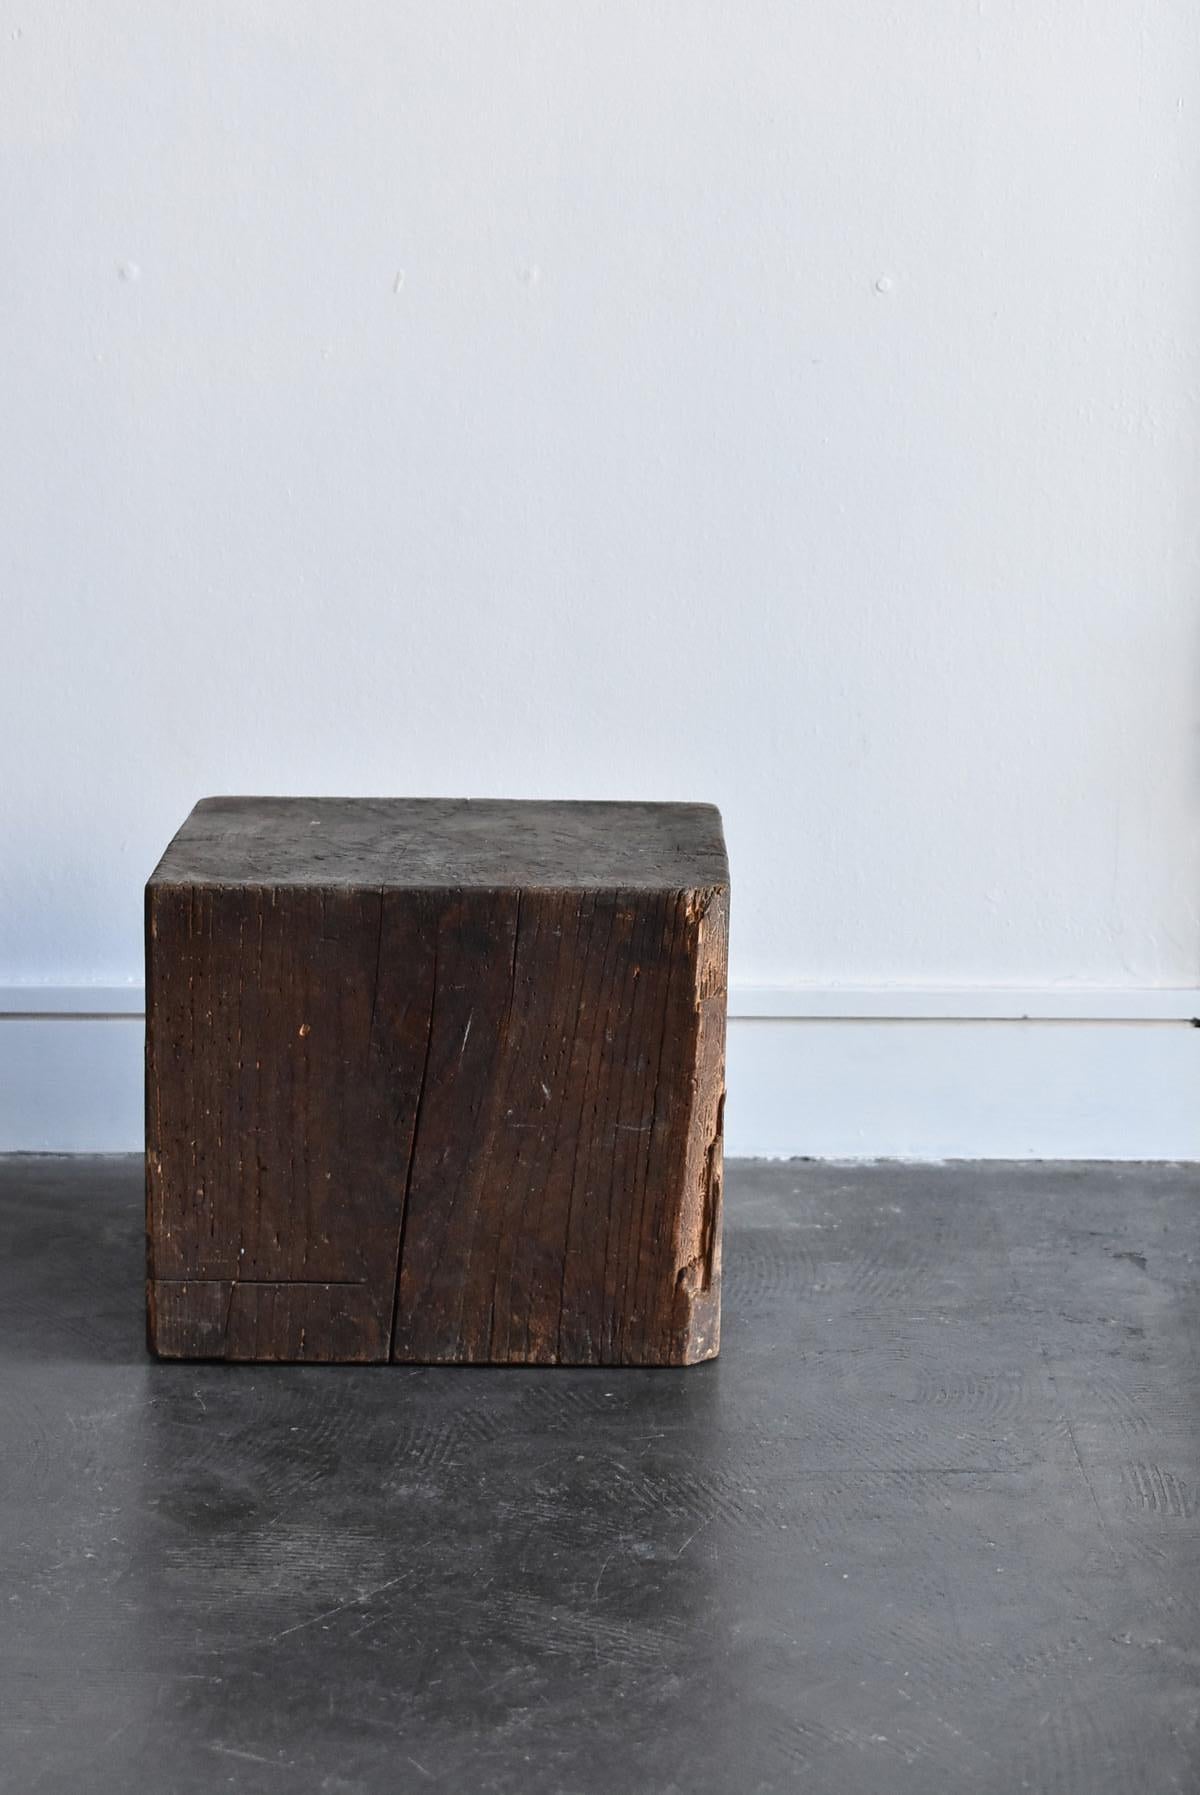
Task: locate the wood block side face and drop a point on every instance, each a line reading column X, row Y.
column 469, row 1126
column 278, row 1107
column 563, row 1170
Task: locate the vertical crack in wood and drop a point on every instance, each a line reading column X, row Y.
column 410, row 1168
column 712, row 1201
column 233, row 1284
column 512, row 978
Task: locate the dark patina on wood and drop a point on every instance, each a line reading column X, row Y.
column 436, row 1081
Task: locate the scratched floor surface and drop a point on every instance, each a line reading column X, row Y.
column 931, row 1523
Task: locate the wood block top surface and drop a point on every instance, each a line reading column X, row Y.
column 404, row 843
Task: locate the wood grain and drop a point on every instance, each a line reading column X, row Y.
column 472, row 1118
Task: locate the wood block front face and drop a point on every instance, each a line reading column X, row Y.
column 473, row 1123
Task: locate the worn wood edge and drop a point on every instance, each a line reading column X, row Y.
column 696, row 1334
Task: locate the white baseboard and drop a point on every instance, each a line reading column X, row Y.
column 964, row 1090
column 1053, row 1073
column 71, row 1083
column 962, row 1003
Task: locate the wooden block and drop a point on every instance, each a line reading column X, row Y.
column 436, row 1081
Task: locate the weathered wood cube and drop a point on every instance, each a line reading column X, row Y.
column 436, row 1081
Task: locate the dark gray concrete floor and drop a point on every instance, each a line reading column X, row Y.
column 931, row 1523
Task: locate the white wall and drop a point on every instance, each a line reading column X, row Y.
column 788, row 405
